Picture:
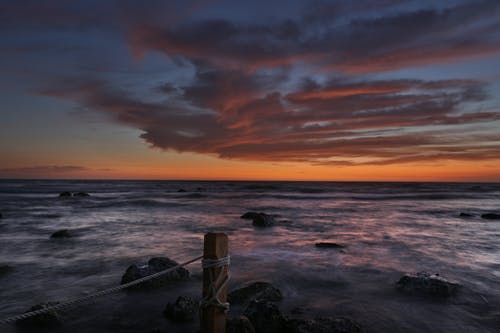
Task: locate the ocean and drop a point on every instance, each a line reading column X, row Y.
column 387, row 229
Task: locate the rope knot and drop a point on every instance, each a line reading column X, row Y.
column 212, row 297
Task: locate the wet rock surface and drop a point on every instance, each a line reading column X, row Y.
column 184, row 309
column 262, row 291
column 239, row 324
column 323, row 325
column 154, row 265
column 42, row 321
column 266, row 317
column 64, row 233
column 428, row 284
column 259, row 219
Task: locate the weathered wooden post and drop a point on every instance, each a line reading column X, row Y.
column 213, row 317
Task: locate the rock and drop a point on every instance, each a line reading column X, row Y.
column 81, row 194
column 491, row 216
column 426, row 283
column 240, row 324
column 65, row 194
column 64, row 233
column 465, row 215
column 154, row 265
column 329, row 245
column 259, row 219
column 181, row 190
column 266, row 317
column 261, row 291
column 1, row 216
column 4, row 269
column 45, row 320
column 184, row 309
column 323, row 325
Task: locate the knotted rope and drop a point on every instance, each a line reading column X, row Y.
column 212, row 297
column 94, row 295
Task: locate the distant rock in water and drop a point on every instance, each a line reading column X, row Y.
column 1, row 216
column 426, row 283
column 64, row 233
column 266, row 317
column 193, row 196
column 42, row 321
column 184, row 309
column 239, row 324
column 329, row 245
column 323, row 325
column 4, row 269
column 259, row 219
column 491, row 216
column 154, row 265
column 81, row 194
column 181, row 190
column 465, row 215
column 76, row 194
column 261, row 291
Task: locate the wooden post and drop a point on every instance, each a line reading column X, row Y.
column 213, row 319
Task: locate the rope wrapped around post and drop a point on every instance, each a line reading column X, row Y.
column 215, row 263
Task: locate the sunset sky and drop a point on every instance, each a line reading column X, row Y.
column 298, row 90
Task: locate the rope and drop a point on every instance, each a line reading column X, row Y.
column 212, row 297
column 95, row 295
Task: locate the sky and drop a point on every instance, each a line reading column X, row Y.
column 386, row 90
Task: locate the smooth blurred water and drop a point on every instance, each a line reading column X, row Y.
column 388, row 228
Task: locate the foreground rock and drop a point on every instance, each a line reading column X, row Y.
column 491, row 216
column 259, row 219
column 64, row 233
column 240, row 324
column 329, row 245
column 266, row 317
column 426, row 283
column 45, row 320
column 260, row 291
column 184, row 309
column 154, row 265
column 323, row 325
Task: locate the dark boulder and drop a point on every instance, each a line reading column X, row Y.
column 491, row 216
column 465, row 215
column 154, row 265
column 184, row 309
column 426, row 283
column 45, row 320
column 1, row 216
column 329, row 245
column 240, row 324
column 81, row 194
column 266, row 317
column 261, row 291
column 259, row 219
column 323, row 325
column 64, row 233
column 65, row 194
column 181, row 190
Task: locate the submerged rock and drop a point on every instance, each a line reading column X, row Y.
column 45, row 320
column 240, row 324
column 323, row 325
column 154, row 265
column 426, row 283
column 261, row 291
column 491, row 216
column 64, row 233
column 259, row 219
column 65, row 194
column 266, row 317
column 465, row 215
column 184, row 309
column 81, row 194
column 329, row 245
